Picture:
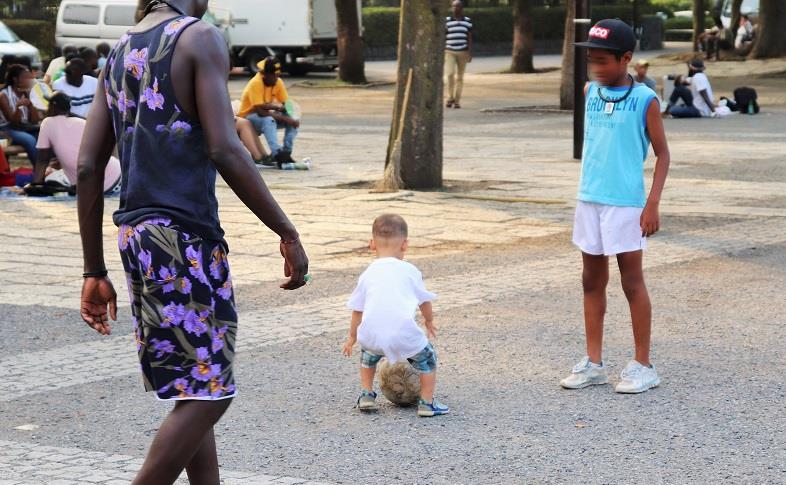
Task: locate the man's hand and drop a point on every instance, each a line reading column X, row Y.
column 24, row 101
column 97, row 294
column 650, row 219
column 295, row 265
column 348, row 347
column 431, row 329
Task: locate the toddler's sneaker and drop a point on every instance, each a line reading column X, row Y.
column 585, row 374
column 637, row 378
column 367, row 401
column 434, row 408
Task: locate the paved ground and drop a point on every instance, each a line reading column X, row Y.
column 495, row 246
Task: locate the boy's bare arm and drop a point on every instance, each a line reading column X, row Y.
column 650, row 217
column 357, row 317
column 428, row 315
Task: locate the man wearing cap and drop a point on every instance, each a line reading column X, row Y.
column 59, row 137
column 263, row 104
column 641, row 68
column 695, row 92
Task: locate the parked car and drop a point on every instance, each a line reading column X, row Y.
column 87, row 23
column 11, row 44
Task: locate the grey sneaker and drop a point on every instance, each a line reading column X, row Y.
column 585, row 374
column 637, row 378
column 434, row 408
column 367, row 401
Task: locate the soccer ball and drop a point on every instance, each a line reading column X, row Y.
column 399, row 383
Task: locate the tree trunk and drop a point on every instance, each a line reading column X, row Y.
column 698, row 22
column 771, row 35
column 736, row 5
column 414, row 158
column 523, row 37
column 351, row 63
column 568, row 57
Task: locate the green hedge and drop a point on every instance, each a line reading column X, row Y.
column 491, row 24
column 685, row 23
column 40, row 33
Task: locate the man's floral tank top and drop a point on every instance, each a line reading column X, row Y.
column 163, row 154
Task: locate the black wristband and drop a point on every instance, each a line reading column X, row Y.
column 95, row 274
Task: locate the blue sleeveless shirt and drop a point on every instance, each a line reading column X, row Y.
column 163, row 153
column 615, row 147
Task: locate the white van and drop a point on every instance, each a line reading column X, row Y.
column 748, row 7
column 87, row 23
column 301, row 33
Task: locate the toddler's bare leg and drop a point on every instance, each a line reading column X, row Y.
column 367, row 378
column 427, row 384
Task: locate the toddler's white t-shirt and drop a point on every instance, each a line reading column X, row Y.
column 389, row 293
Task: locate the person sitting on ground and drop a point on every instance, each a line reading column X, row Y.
column 695, row 92
column 641, row 68
column 743, row 41
column 57, row 65
column 18, row 117
column 78, row 86
column 60, row 136
column 91, row 59
column 250, row 138
column 103, row 50
column 263, row 104
column 383, row 305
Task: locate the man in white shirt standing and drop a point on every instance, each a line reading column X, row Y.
column 695, row 92
column 79, row 87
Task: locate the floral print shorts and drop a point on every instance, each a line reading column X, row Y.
column 183, row 308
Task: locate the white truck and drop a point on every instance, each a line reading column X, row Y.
column 300, row 33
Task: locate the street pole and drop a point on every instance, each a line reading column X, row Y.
column 582, row 26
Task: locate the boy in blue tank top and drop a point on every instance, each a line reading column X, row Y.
column 614, row 216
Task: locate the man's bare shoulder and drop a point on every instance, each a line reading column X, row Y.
column 203, row 39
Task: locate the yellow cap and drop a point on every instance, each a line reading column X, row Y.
column 261, row 65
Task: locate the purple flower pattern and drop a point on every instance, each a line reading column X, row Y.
column 135, row 62
column 152, row 97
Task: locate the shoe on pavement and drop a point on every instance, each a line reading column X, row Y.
column 585, row 374
column 267, row 162
column 637, row 378
column 434, row 408
column 367, row 401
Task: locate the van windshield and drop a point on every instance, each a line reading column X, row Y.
column 7, row 35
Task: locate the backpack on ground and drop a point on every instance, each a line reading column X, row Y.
column 745, row 100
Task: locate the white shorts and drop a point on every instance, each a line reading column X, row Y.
column 607, row 230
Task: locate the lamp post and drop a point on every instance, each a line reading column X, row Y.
column 582, row 26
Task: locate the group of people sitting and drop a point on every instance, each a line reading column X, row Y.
column 713, row 40
column 46, row 116
column 691, row 96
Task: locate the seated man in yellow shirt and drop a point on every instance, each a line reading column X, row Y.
column 263, row 105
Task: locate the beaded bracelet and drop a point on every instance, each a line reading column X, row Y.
column 297, row 239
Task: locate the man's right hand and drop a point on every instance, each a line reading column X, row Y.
column 295, row 264
column 97, row 294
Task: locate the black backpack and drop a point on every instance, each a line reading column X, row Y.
column 745, row 99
